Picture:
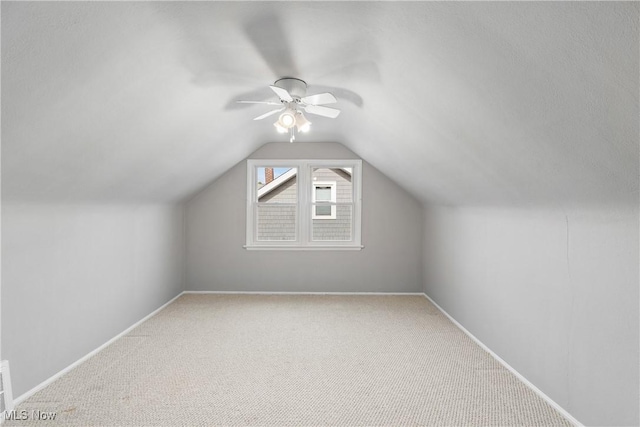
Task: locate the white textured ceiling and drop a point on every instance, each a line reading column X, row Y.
column 460, row 103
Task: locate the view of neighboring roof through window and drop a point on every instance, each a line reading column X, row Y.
column 268, row 174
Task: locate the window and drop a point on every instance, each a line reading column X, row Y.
column 303, row 204
column 324, row 199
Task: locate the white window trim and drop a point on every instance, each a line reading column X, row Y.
column 332, row 185
column 304, row 206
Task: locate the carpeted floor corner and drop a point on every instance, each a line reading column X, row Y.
column 292, row 360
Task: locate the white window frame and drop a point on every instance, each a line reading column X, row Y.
column 306, row 199
column 332, row 186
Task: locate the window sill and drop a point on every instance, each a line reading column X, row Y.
column 303, row 248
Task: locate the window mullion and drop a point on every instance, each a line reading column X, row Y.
column 357, row 202
column 304, row 198
column 252, row 214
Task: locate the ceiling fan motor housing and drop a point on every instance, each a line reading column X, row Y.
column 297, row 88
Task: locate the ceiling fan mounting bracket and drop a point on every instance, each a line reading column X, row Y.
column 297, row 88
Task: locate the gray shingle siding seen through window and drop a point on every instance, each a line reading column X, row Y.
column 278, row 222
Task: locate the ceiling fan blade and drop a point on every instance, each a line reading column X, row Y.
column 261, row 94
column 268, row 36
column 270, row 113
column 322, row 111
column 320, row 99
column 341, row 93
column 259, row 102
column 282, row 93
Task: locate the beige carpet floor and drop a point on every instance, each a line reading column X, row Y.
column 292, row 361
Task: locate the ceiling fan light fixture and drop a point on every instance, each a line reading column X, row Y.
column 279, row 128
column 304, row 129
column 287, row 119
column 302, row 123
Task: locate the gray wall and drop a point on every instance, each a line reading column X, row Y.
column 73, row 277
column 554, row 293
column 391, row 233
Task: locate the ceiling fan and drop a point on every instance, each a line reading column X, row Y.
column 293, row 100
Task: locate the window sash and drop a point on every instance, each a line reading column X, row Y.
column 325, row 192
column 292, row 170
column 330, row 202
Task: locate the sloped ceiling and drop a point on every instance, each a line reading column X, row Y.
column 461, row 103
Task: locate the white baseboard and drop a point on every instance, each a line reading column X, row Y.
column 518, row 375
column 48, row 381
column 305, row 293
